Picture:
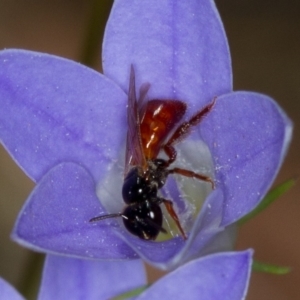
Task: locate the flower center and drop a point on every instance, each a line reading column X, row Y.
column 187, row 194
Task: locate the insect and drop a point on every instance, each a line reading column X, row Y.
column 149, row 126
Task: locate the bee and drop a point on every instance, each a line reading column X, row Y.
column 152, row 128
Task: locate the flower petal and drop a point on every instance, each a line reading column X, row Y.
column 48, row 223
column 56, row 218
column 248, row 135
column 220, row 276
column 70, row 278
column 8, row 292
column 55, row 110
column 207, row 235
column 179, row 47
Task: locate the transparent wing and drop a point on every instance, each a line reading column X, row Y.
column 134, row 151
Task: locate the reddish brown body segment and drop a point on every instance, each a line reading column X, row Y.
column 159, row 119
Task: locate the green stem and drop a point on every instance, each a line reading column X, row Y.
column 91, row 52
column 267, row 268
column 131, row 293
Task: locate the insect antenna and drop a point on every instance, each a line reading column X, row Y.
column 99, row 218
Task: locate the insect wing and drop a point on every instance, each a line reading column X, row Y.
column 142, row 99
column 134, row 151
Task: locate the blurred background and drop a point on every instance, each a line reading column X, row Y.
column 264, row 37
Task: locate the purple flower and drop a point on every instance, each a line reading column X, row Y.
column 218, row 276
column 65, row 125
column 8, row 292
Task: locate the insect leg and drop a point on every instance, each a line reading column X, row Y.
column 184, row 129
column 169, row 206
column 188, row 173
